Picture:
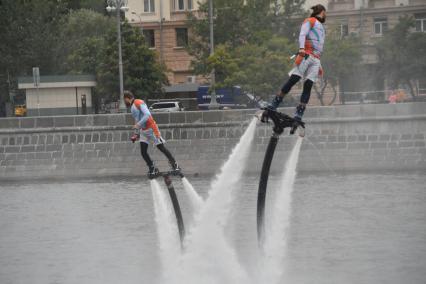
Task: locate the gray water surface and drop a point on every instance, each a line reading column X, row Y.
column 344, row 229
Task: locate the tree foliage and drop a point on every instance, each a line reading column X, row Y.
column 95, row 5
column 83, row 36
column 28, row 30
column 240, row 25
column 73, row 37
column 89, row 42
column 340, row 57
column 143, row 74
column 286, row 16
column 402, row 54
column 258, row 69
column 340, row 60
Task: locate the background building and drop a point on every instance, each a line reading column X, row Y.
column 163, row 24
column 369, row 20
column 58, row 95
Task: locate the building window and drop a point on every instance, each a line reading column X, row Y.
column 182, row 5
column 421, row 23
column 179, row 5
column 149, row 37
column 181, row 37
column 149, row 6
column 344, row 30
column 380, row 26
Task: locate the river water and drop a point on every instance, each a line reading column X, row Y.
column 360, row 228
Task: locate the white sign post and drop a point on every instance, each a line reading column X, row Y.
column 36, row 80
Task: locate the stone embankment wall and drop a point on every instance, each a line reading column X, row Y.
column 338, row 138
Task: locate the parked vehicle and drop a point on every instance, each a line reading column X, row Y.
column 228, row 98
column 166, row 107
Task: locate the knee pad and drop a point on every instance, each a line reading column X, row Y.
column 290, row 83
column 306, row 93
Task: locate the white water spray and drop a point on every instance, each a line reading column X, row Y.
column 209, row 258
column 194, row 198
column 168, row 235
column 276, row 230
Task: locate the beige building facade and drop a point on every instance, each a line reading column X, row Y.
column 164, row 25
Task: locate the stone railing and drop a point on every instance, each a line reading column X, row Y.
column 339, row 138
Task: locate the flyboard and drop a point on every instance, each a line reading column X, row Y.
column 173, row 197
column 280, row 121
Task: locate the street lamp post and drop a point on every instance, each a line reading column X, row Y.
column 117, row 6
column 213, row 102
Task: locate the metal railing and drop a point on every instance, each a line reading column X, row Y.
column 368, row 97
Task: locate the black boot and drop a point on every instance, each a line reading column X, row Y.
column 300, row 110
column 277, row 100
column 153, row 172
column 176, row 169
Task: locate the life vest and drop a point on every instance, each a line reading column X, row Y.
column 150, row 123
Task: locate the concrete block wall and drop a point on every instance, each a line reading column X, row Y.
column 341, row 138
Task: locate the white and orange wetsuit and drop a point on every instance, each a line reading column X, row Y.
column 149, row 131
column 311, row 38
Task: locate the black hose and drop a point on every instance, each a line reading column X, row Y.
column 263, row 183
column 176, row 207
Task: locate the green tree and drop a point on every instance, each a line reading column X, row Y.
column 28, row 31
column 83, row 35
column 143, row 74
column 244, row 27
column 63, row 37
column 258, row 69
column 341, row 58
column 95, row 5
column 89, row 43
column 416, row 63
column 402, row 55
column 230, row 28
column 287, row 17
column 236, row 22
